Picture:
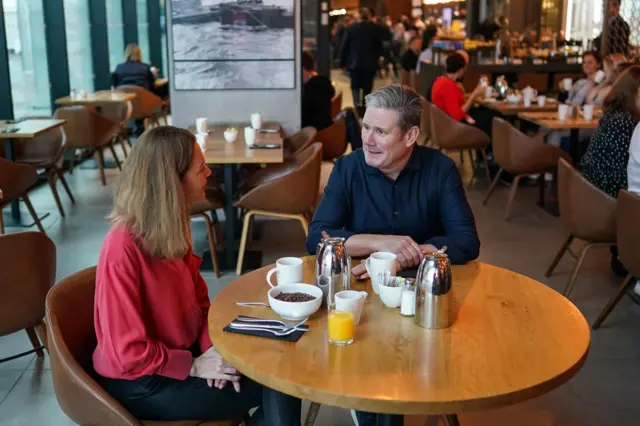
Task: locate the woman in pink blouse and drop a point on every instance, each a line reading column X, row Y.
column 154, row 354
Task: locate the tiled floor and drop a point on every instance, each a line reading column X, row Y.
column 603, row 393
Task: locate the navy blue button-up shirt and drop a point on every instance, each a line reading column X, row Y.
column 426, row 202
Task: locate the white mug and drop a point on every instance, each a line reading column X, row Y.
column 249, row 136
column 587, row 112
column 380, row 262
column 256, row 120
column 202, row 139
column 567, row 83
column 527, row 102
column 542, row 100
column 489, row 92
column 288, row 269
column 391, row 296
column 563, row 112
column 351, row 301
column 202, row 126
column 600, row 76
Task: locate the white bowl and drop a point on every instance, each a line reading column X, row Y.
column 390, row 296
column 295, row 311
column 230, row 136
column 514, row 99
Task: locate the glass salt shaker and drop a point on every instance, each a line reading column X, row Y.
column 408, row 305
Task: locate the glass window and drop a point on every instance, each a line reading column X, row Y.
column 115, row 32
column 76, row 19
column 584, row 19
column 24, row 21
column 143, row 29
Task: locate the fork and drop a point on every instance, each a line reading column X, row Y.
column 260, row 323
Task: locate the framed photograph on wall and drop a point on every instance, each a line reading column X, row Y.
column 233, row 44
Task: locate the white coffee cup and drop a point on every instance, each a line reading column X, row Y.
column 563, row 112
column 230, row 135
column 391, row 296
column 527, row 102
column 542, row 100
column 380, row 263
column 567, row 84
column 256, row 120
column 202, row 126
column 600, row 76
column 489, row 92
column 203, row 140
column 587, row 112
column 351, row 301
column 288, row 270
column 249, row 136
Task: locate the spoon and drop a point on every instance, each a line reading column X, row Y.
column 251, row 304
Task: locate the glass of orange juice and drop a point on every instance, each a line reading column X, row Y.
column 341, row 327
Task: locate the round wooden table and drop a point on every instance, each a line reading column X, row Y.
column 512, row 339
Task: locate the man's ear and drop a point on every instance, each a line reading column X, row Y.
column 411, row 137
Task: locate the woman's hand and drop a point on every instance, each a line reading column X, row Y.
column 215, row 370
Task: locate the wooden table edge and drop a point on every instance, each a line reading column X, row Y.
column 61, row 122
column 409, row 407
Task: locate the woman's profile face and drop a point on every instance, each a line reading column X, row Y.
column 195, row 180
column 589, row 65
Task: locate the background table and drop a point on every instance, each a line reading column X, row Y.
column 97, row 98
column 230, row 156
column 24, row 129
column 512, row 339
column 509, row 109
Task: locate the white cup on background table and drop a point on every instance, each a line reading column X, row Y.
column 202, row 126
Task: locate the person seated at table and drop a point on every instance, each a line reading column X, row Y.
column 393, row 195
column 591, row 63
column 133, row 71
column 605, row 162
column 153, row 353
column 600, row 91
column 409, row 61
column 317, row 92
column 428, row 38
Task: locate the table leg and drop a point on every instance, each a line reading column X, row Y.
column 452, row 420
column 15, row 205
column 230, row 213
column 390, row 420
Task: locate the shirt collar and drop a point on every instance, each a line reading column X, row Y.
column 414, row 163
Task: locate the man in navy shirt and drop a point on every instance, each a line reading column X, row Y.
column 393, row 195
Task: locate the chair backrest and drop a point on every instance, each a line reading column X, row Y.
column 589, row 213
column 448, row 133
column 294, row 193
column 334, row 140
column 539, row 82
column 628, row 231
column 48, row 148
column 425, row 120
column 405, row 77
column 144, row 104
column 336, row 104
column 85, row 128
column 301, row 139
column 118, row 112
column 15, row 179
column 27, row 272
column 72, row 340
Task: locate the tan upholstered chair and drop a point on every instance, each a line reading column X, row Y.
column 521, row 156
column 146, row 105
column 27, row 272
column 291, row 196
column 452, row 135
column 588, row 213
column 15, row 180
column 46, row 152
column 120, row 113
column 72, row 340
column 336, row 104
column 425, row 123
column 86, row 129
column 628, row 235
column 334, row 140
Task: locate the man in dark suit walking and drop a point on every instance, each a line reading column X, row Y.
column 360, row 54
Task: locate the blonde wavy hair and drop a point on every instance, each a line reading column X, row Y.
column 149, row 200
column 133, row 53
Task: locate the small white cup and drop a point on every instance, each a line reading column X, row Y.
column 202, row 126
column 249, row 136
column 256, row 120
column 567, row 84
column 542, row 100
column 351, row 301
column 600, row 76
column 230, row 135
column 527, row 102
column 587, row 112
column 288, row 270
column 391, row 296
column 563, row 112
column 203, row 140
column 489, row 92
column 380, row 262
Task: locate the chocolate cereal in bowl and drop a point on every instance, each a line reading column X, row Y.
column 295, row 301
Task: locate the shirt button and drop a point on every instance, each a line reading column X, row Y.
column 395, row 213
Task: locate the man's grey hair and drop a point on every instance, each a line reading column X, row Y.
column 402, row 99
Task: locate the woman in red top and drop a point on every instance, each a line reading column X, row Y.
column 448, row 96
column 154, row 354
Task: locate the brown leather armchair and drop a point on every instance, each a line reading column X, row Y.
column 299, row 140
column 628, row 234
column 120, row 113
column 46, row 152
column 588, row 213
column 146, row 105
column 27, row 272
column 291, row 196
column 452, row 135
column 203, row 209
column 86, row 129
column 425, row 123
column 521, row 156
column 333, row 139
column 15, row 180
column 72, row 340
